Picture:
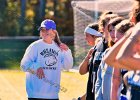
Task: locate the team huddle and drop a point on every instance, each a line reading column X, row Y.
column 113, row 62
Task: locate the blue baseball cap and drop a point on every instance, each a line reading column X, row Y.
column 48, row 24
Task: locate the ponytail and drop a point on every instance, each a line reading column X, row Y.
column 57, row 39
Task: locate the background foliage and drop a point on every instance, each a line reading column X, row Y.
column 23, row 17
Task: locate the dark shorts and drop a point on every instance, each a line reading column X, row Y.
column 40, row 99
column 135, row 93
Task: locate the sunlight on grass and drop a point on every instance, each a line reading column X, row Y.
column 12, row 85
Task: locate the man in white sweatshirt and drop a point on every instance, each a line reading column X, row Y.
column 43, row 61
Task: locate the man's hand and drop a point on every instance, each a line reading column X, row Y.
column 40, row 73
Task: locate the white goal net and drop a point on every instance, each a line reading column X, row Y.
column 88, row 11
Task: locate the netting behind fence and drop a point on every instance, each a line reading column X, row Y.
column 88, row 11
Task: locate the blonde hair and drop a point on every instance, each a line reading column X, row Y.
column 57, row 38
column 105, row 19
column 136, row 11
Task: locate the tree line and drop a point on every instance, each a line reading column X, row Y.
column 23, row 17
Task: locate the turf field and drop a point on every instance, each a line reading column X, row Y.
column 12, row 85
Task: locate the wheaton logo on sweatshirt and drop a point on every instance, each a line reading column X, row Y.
column 50, row 55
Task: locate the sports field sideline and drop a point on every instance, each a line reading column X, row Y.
column 12, row 85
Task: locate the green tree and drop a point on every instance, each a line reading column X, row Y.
column 22, row 16
column 9, row 15
column 39, row 9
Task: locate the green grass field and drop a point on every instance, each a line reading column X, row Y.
column 12, row 85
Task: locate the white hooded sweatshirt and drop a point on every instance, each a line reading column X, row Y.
column 52, row 59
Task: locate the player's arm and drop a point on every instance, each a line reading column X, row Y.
column 28, row 62
column 110, row 57
column 116, row 81
column 129, row 49
column 83, row 67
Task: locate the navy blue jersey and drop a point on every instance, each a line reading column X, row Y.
column 134, row 82
column 93, row 67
